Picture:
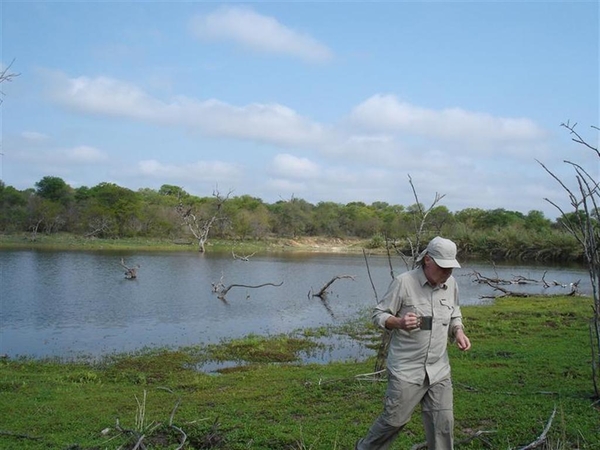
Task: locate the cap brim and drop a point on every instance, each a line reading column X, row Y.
column 447, row 263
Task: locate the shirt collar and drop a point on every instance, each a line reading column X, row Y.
column 423, row 279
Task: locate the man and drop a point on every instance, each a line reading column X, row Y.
column 422, row 311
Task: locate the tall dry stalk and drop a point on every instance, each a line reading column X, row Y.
column 583, row 222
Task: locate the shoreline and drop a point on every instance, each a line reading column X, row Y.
column 63, row 242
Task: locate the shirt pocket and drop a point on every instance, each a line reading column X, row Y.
column 420, row 308
column 406, row 307
column 444, row 311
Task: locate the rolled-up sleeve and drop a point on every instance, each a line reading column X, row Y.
column 389, row 305
column 456, row 319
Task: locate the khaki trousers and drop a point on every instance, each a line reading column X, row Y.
column 401, row 399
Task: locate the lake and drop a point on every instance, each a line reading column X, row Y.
column 79, row 304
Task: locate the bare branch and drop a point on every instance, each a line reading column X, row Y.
column 172, row 416
column 422, row 221
column 183, row 437
column 370, row 278
column 223, row 292
column 6, row 75
column 542, row 437
column 583, row 225
column 130, row 272
column 323, row 290
column 373, row 376
column 242, row 257
column 200, row 226
column 595, row 335
column 578, row 138
column 139, row 443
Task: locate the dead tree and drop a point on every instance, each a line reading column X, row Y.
column 420, row 223
column 34, row 229
column 130, row 272
column 583, row 223
column 323, row 292
column 497, row 284
column 199, row 223
column 99, row 226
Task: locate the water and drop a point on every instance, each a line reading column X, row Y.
column 79, row 304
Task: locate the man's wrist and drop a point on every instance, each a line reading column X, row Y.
column 393, row 322
column 457, row 328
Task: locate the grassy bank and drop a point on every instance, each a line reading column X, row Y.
column 246, row 247
column 529, row 357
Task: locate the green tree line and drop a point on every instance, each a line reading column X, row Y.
column 111, row 211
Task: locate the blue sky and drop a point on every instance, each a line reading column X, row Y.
column 327, row 101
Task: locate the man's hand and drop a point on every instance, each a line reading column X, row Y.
column 462, row 341
column 407, row 322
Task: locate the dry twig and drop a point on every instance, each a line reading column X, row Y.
column 542, row 437
column 373, row 376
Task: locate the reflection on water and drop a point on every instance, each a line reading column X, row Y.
column 72, row 304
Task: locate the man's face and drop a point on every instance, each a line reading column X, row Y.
column 435, row 274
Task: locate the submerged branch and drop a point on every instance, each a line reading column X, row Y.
column 323, row 290
column 225, row 290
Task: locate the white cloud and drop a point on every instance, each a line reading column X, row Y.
column 200, row 170
column 387, row 113
column 285, row 189
column 255, row 31
column 34, row 136
column 271, row 123
column 104, row 95
column 84, row 154
column 67, row 158
column 285, row 165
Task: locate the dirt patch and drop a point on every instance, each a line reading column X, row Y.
column 321, row 244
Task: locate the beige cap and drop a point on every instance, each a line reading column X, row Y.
column 443, row 252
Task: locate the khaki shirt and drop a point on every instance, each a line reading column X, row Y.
column 414, row 354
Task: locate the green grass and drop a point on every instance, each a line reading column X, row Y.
column 529, row 356
column 66, row 241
